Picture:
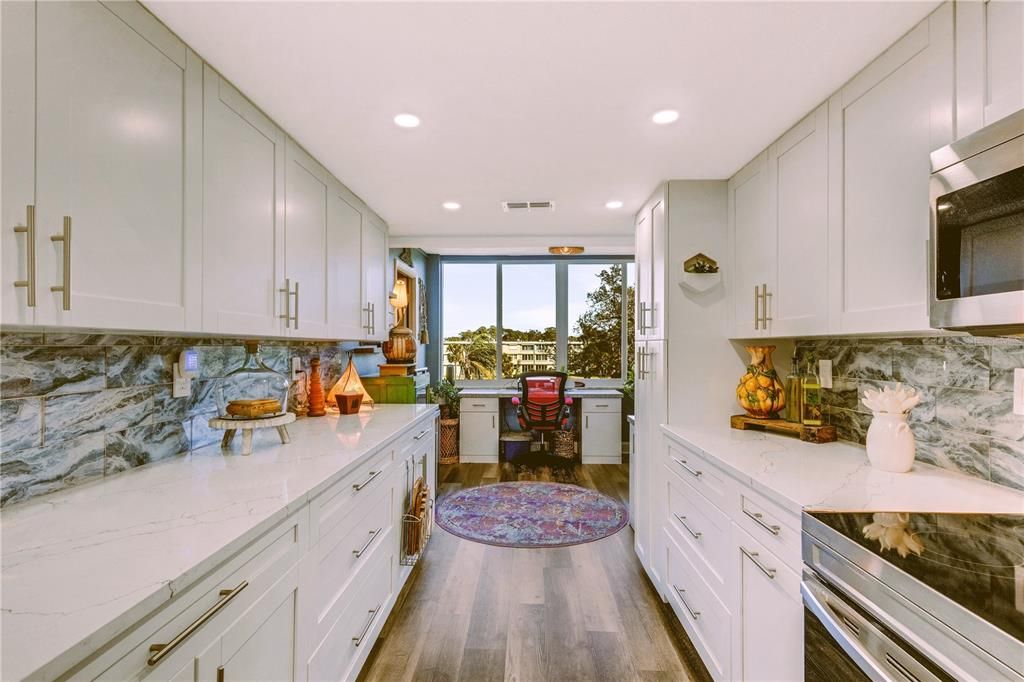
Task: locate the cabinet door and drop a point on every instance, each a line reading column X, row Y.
column 602, row 438
column 651, row 404
column 752, row 238
column 261, row 643
column 375, row 292
column 882, row 126
column 989, row 62
column 478, row 436
column 344, row 264
column 305, row 237
column 17, row 176
column 243, row 214
column 643, row 271
column 118, row 148
column 798, row 183
column 772, row 621
column 659, row 249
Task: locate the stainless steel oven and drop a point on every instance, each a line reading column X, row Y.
column 976, row 274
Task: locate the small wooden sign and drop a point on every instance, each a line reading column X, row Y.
column 811, row 434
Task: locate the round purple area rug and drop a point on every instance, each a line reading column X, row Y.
column 529, row 514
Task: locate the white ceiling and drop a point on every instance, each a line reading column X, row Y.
column 533, row 101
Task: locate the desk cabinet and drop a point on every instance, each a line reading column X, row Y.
column 601, row 430
column 478, row 430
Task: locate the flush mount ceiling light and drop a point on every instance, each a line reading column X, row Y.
column 407, row 121
column 565, row 250
column 613, row 204
column 665, row 116
column 451, row 206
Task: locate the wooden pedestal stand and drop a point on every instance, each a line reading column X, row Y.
column 247, row 426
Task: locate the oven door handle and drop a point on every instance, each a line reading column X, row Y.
column 814, row 593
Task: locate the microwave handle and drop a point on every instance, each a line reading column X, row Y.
column 815, row 594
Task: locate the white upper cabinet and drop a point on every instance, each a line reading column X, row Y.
column 989, row 62
column 375, row 291
column 882, row 127
column 798, row 206
column 118, row 146
column 243, row 215
column 642, row 291
column 651, row 246
column 304, row 290
column 344, row 264
column 752, row 243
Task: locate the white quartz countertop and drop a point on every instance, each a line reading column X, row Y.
column 838, row 476
column 512, row 392
column 82, row 565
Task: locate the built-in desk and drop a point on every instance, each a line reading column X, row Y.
column 485, row 415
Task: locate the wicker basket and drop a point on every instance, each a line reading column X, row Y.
column 564, row 444
column 449, row 441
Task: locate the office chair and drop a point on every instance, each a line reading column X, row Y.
column 543, row 405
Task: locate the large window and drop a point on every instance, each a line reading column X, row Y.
column 505, row 317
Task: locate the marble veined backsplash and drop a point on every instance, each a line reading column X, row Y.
column 78, row 406
column 965, row 420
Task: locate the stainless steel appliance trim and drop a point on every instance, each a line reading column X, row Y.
column 932, row 623
column 990, row 136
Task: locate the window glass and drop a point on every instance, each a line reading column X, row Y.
column 595, row 320
column 469, row 324
column 528, row 336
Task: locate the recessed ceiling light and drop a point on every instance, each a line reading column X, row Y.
column 407, row 121
column 613, row 204
column 451, row 205
column 665, row 116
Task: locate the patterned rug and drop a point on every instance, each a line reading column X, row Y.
column 529, row 514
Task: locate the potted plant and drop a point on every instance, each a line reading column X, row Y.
column 445, row 394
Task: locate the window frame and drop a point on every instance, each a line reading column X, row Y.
column 561, row 264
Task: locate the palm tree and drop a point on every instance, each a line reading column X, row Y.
column 475, row 357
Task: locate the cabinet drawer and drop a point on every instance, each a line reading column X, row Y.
column 341, row 554
column 479, row 405
column 259, row 567
column 704, row 529
column 704, row 616
column 696, row 471
column 335, row 504
column 352, row 633
column 770, row 524
column 591, row 405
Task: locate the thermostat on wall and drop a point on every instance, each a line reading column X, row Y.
column 185, row 369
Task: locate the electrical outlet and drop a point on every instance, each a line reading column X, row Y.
column 825, row 373
column 182, row 386
column 296, row 368
column 1018, row 391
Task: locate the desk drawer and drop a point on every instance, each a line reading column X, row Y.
column 592, row 405
column 479, row 405
column 695, row 470
column 704, row 529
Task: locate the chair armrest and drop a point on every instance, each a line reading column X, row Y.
column 515, row 401
column 568, row 400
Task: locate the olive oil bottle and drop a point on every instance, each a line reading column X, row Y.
column 794, row 392
column 810, row 413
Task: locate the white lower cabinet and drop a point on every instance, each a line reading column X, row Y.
column 601, row 435
column 478, row 430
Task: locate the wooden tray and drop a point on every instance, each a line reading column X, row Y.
column 811, row 434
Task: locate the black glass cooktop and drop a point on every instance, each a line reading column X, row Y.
column 976, row 560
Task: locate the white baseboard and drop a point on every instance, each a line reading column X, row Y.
column 478, row 459
column 602, row 459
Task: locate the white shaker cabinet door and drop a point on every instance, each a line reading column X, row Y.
column 375, row 292
column 18, row 249
column 882, row 127
column 305, row 220
column 798, row 180
column 989, row 62
column 643, row 271
column 478, row 436
column 344, row 264
column 243, row 215
column 118, row 154
column 752, row 241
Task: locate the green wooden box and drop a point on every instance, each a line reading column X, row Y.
column 391, row 389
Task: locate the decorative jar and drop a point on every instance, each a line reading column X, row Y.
column 760, row 392
column 253, row 391
column 890, row 442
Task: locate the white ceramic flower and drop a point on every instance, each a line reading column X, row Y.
column 892, row 532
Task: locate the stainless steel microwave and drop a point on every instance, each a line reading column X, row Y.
column 976, row 273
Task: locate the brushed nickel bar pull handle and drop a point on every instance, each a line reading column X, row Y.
column 366, row 628
column 766, row 298
column 757, row 308
column 359, row 486
column 29, row 229
column 295, row 317
column 65, row 286
column 160, row 651
column 220, row 673
column 420, row 434
column 287, row 291
column 693, row 614
column 586, row 421
column 770, row 572
column 493, row 422
column 682, row 520
column 601, row 405
column 373, row 536
column 693, row 472
column 758, row 518
column 373, row 319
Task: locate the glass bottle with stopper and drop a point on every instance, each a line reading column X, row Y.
column 252, row 391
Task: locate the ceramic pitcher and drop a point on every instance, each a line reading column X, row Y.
column 890, row 442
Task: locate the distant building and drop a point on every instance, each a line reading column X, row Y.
column 516, row 357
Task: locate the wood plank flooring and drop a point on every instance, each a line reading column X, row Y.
column 475, row 612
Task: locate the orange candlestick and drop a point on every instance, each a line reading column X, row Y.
column 316, row 390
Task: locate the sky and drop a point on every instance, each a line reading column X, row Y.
column 470, row 292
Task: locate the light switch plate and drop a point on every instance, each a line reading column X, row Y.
column 1018, row 391
column 296, row 368
column 825, row 373
column 182, row 386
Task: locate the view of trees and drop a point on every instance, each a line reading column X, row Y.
column 599, row 329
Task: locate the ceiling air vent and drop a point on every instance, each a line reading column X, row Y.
column 516, row 206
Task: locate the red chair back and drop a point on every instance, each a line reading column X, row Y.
column 543, row 400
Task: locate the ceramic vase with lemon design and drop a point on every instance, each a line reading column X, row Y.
column 761, row 392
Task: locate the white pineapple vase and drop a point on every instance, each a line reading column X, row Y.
column 890, row 442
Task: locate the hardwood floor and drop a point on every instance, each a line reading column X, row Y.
column 476, row 612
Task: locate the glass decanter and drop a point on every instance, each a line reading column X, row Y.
column 253, row 391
